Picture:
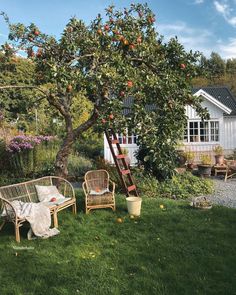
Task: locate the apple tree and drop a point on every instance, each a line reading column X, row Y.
column 115, row 57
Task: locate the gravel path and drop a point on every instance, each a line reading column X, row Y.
column 225, row 193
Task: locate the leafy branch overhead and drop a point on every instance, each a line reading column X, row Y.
column 115, row 57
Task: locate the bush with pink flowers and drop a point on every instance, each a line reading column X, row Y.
column 21, row 143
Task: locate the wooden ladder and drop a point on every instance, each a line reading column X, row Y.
column 121, row 165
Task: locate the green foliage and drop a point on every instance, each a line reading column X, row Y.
column 205, row 159
column 90, row 144
column 115, row 57
column 17, row 71
column 162, row 165
column 218, row 150
column 35, row 162
column 78, row 166
column 181, row 186
column 216, row 71
column 216, row 65
column 186, row 185
column 7, row 179
column 189, row 156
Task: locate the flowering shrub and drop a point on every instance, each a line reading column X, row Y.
column 20, row 143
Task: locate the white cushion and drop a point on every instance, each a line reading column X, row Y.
column 46, row 193
column 98, row 193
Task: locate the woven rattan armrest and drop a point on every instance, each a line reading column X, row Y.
column 113, row 186
column 6, row 203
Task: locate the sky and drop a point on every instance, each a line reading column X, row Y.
column 203, row 25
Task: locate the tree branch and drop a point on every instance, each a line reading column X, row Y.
column 86, row 125
column 149, row 65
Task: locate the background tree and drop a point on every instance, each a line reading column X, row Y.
column 231, row 67
column 106, row 62
column 216, row 65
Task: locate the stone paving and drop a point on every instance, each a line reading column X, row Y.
column 225, row 192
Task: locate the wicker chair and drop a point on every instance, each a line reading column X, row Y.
column 26, row 192
column 96, row 189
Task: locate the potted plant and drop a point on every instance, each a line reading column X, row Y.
column 201, row 203
column 219, row 156
column 204, row 168
column 190, row 159
column 127, row 158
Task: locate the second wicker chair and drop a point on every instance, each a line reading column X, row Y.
column 97, row 190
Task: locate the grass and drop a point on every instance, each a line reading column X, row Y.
column 177, row 250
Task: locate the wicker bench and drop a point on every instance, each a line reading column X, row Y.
column 26, row 192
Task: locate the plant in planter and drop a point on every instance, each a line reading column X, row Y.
column 201, row 203
column 126, row 153
column 204, row 168
column 190, row 159
column 219, row 155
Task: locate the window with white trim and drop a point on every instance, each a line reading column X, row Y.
column 126, row 138
column 198, row 131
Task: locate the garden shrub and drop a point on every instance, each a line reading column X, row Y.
column 29, row 156
column 90, row 145
column 8, row 179
column 162, row 168
column 181, row 186
column 78, row 166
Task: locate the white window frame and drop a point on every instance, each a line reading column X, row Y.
column 198, row 135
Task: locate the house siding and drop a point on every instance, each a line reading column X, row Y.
column 132, row 148
column 227, row 136
column 229, row 140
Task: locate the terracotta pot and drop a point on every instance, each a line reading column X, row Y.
column 190, row 166
column 219, row 159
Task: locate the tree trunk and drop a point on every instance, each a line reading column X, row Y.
column 61, row 164
column 71, row 136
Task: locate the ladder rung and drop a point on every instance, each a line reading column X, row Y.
column 115, row 141
column 131, row 188
column 125, row 172
column 121, row 156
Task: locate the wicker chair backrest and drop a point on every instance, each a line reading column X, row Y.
column 26, row 191
column 97, row 180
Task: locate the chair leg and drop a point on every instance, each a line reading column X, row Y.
column 74, row 209
column 2, row 225
column 55, row 219
column 17, row 233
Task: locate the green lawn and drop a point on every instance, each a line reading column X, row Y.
column 174, row 251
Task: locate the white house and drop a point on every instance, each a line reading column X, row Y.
column 200, row 137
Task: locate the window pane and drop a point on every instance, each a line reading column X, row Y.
column 124, row 139
column 193, row 132
column 130, row 139
column 214, row 131
column 204, row 132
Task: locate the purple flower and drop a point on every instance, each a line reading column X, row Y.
column 23, row 142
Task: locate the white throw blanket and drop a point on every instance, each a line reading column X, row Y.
column 39, row 217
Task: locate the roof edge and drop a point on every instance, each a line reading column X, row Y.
column 214, row 101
